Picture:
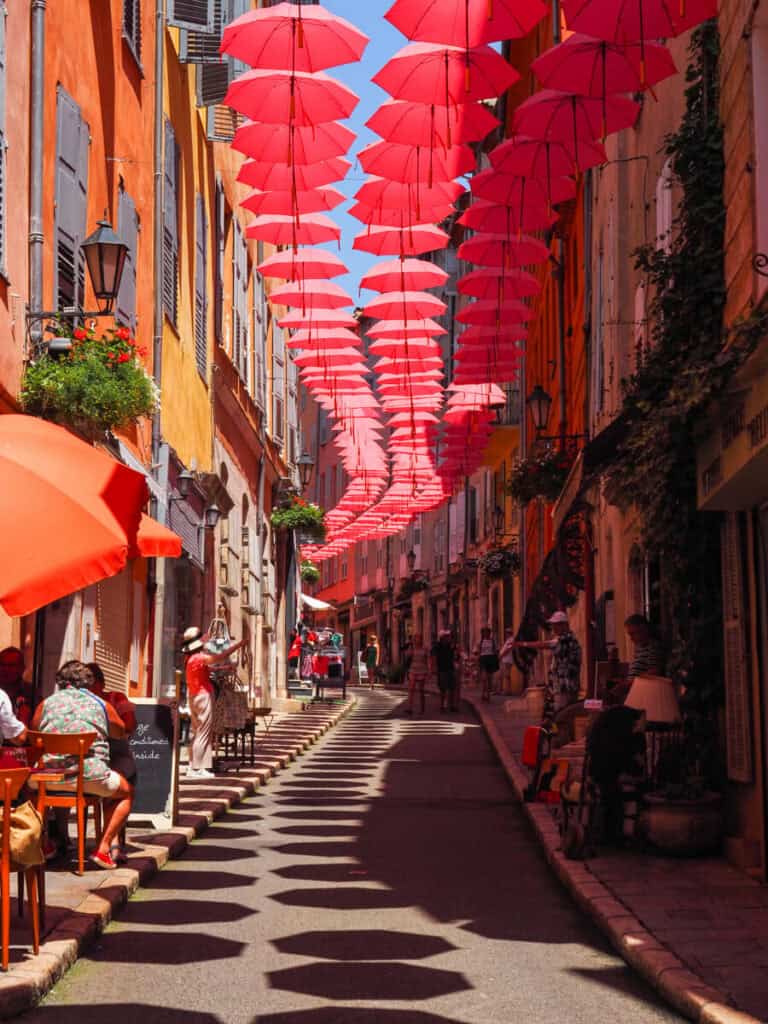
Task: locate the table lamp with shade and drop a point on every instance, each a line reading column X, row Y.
column 656, row 696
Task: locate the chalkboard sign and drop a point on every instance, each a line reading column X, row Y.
column 153, row 746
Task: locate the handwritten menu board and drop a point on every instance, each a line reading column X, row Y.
column 154, row 751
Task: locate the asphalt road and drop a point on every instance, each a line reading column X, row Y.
column 387, row 878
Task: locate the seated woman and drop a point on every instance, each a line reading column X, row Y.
column 73, row 708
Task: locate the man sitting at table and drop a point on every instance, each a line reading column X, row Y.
column 12, row 729
column 73, row 708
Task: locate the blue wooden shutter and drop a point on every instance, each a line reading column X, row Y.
column 203, row 47
column 72, row 141
column 196, row 15
column 3, row 144
column 201, row 292
column 128, row 230
column 170, row 226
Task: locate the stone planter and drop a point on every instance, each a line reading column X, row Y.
column 682, row 828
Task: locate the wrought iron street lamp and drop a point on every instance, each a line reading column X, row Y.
column 305, row 464
column 539, row 403
column 211, row 517
column 105, row 254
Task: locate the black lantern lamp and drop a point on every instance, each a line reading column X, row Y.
column 305, row 464
column 105, row 254
column 539, row 403
column 212, row 515
column 184, row 483
column 411, row 560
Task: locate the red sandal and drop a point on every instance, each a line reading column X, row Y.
column 103, row 861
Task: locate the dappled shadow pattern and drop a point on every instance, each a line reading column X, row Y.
column 368, row 981
column 200, row 881
column 156, row 947
column 348, row 898
column 353, row 1015
column 367, row 944
column 326, row 831
column 117, row 1013
column 317, row 849
column 319, row 872
column 176, row 912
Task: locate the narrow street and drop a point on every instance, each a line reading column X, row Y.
column 386, row 878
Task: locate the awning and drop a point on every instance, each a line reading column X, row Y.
column 315, row 603
column 153, row 540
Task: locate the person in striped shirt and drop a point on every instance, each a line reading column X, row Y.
column 647, row 659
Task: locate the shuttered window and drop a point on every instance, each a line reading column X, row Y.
column 222, row 123
column 170, row 225
column 196, row 15
column 112, row 646
column 132, row 27
column 128, row 230
column 738, row 711
column 72, row 142
column 3, row 145
column 203, row 47
column 220, row 223
column 212, row 82
column 278, row 384
column 258, row 390
column 240, row 301
column 201, row 289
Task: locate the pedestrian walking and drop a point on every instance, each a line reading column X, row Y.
column 444, row 664
column 487, row 661
column 418, row 671
column 564, row 677
column 371, row 659
column 201, row 695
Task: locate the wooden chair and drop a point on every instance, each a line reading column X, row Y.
column 77, row 745
column 11, row 781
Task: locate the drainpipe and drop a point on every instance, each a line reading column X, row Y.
column 556, row 33
column 259, row 644
column 560, row 278
column 589, row 546
column 36, row 135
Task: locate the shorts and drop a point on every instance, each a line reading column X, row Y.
column 446, row 681
column 91, row 787
column 489, row 662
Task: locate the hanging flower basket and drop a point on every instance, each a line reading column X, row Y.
column 97, row 386
column 302, row 516
column 410, row 586
column 310, row 572
column 500, row 563
column 540, row 476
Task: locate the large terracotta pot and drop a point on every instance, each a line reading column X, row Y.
column 684, row 828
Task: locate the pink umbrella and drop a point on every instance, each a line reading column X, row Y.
column 513, row 191
column 296, row 203
column 492, row 335
column 422, row 390
column 490, row 284
column 302, row 264
column 282, row 176
column 621, row 20
column 401, row 329
column 402, row 217
column 410, row 241
column 397, row 194
column 416, row 163
column 431, row 73
column 346, row 357
column 293, row 36
column 284, row 230
column 403, row 274
column 418, row 305
column 322, row 318
column 295, row 144
column 594, row 67
column 279, row 97
column 414, row 346
column 394, row 364
column 534, row 158
column 465, row 22
column 422, row 124
column 501, row 251
column 552, row 115
column 484, row 216
column 487, row 313
column 334, row 337
column 416, row 417
column 504, row 351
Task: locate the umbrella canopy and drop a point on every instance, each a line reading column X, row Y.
column 487, row 313
column 547, row 160
column 283, row 176
column 293, row 143
column 431, row 73
column 347, row 357
column 510, row 190
column 551, row 115
column 413, row 213
column 482, row 215
column 403, row 274
column 490, row 284
column 311, row 295
column 410, row 241
column 404, row 163
column 286, row 230
column 279, row 97
column 383, row 192
column 419, row 305
column 333, row 337
column 465, row 22
column 293, row 36
column 495, row 335
column 429, row 124
column 312, row 201
column 300, row 264
column 404, row 348
column 500, row 251
column 619, row 20
column 594, row 67
column 97, row 517
column 402, row 329
column 318, row 318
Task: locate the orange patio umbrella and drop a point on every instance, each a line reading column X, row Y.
column 71, row 515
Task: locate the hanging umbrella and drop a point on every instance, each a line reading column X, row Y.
column 302, row 264
column 432, row 125
column 398, row 162
column 633, row 20
column 552, row 115
column 402, row 329
column 292, row 143
column 402, row 217
column 285, row 230
column 410, row 241
column 490, row 284
column 501, row 251
column 376, row 191
column 538, row 159
column 311, row 295
column 401, row 348
column 432, row 73
column 71, row 515
column 484, row 216
column 294, row 203
column 594, row 67
column 465, row 22
column 283, row 176
column 419, row 305
column 325, row 318
column 403, row 274
column 347, row 357
column 492, row 335
column 279, row 97
column 486, row 312
column 333, row 337
column 293, row 36
column 510, row 190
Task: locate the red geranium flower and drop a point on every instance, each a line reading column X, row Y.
column 123, row 334
column 110, row 354
column 123, row 357
column 80, row 333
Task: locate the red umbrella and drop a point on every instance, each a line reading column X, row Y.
column 415, row 347
column 293, row 36
column 622, row 20
column 431, row 73
column 301, row 264
column 279, row 97
column 282, row 176
column 322, row 318
column 538, row 159
column 510, row 190
column 402, row 217
column 487, row 312
column 346, row 357
column 397, row 194
column 484, row 216
column 401, row 329
column 422, row 124
column 465, row 22
column 402, row 275
column 418, row 305
column 492, row 335
column 284, row 230
column 594, row 67
column 335, row 335
column 490, row 284
column 295, row 203
column 416, row 163
column 410, row 241
column 552, row 115
column 311, row 295
column 299, row 145
column 501, row 251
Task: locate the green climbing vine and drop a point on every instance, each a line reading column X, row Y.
column 688, row 366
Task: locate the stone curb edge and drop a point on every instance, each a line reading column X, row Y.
column 675, row 982
column 28, row 982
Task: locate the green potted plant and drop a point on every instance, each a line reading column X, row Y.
column 500, row 562
column 541, row 475
column 309, row 572
column 303, row 516
column 95, row 383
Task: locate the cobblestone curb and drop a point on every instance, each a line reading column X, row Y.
column 675, row 982
column 26, row 983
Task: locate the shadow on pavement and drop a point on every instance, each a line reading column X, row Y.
column 373, row 945
column 117, row 1013
column 179, row 912
column 341, row 899
column 368, row 981
column 352, row 1015
column 137, row 946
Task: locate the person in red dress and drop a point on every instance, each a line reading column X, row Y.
column 201, row 695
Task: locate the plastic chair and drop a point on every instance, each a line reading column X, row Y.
column 76, row 744
column 11, row 781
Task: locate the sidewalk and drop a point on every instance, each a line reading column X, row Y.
column 697, row 930
column 79, row 907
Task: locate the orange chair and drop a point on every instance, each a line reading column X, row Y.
column 11, row 781
column 75, row 744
